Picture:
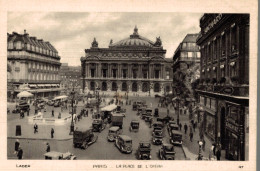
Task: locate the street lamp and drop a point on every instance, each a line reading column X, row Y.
column 200, row 150
column 72, row 93
column 35, row 103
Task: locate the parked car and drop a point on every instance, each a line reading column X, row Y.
column 172, row 126
column 144, row 151
column 50, row 102
column 148, row 116
column 140, row 110
column 98, row 125
column 158, row 124
column 134, row 126
column 176, row 137
column 156, row 112
column 54, row 155
column 165, row 119
column 166, row 152
column 120, row 109
column 117, row 120
column 56, row 104
column 113, row 132
column 157, row 137
column 83, row 138
column 124, row 143
column 143, row 115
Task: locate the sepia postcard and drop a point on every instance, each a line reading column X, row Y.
column 128, row 85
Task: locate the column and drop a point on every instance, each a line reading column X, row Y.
column 108, row 70
column 118, row 70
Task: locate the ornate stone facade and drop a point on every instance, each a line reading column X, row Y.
column 134, row 64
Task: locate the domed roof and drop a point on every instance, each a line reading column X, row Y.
column 134, row 40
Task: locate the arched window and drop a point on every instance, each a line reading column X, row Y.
column 114, row 86
column 104, row 86
column 145, row 87
column 134, row 87
column 156, row 87
column 124, row 86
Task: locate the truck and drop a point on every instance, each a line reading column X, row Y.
column 82, row 138
column 117, row 119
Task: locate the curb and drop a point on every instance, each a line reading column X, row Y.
column 65, row 139
column 186, row 158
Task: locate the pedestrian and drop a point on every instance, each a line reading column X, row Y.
column 52, row 132
column 87, row 113
column 194, row 126
column 204, row 144
column 28, row 111
column 218, row 153
column 44, row 108
column 185, row 128
column 52, row 112
column 16, row 146
column 211, row 154
column 20, row 153
column 48, row 149
column 180, row 125
column 191, row 136
column 214, row 149
column 35, row 128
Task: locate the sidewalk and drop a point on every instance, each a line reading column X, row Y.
column 191, row 149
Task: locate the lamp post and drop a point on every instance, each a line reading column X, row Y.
column 35, row 103
column 200, row 149
column 72, row 111
column 98, row 100
column 201, row 121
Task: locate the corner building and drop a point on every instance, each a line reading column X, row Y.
column 134, row 64
column 224, row 81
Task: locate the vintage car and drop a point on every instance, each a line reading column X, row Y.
column 158, row 124
column 54, row 155
column 50, row 102
column 56, row 104
column 156, row 112
column 140, row 110
column 166, row 152
column 144, row 151
column 172, row 126
column 82, row 138
column 137, row 104
column 148, row 116
column 176, row 137
column 120, row 109
column 113, row 132
column 134, row 126
column 165, row 119
column 98, row 125
column 124, row 143
column 157, row 138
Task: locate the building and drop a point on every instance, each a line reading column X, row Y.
column 224, row 83
column 33, row 65
column 134, row 64
column 70, row 78
column 186, row 68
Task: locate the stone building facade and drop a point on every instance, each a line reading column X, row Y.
column 134, row 64
column 224, row 81
column 34, row 63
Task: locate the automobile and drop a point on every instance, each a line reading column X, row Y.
column 137, row 104
column 82, row 138
column 166, row 152
column 165, row 119
column 157, row 138
column 134, row 106
column 143, row 115
column 56, row 104
column 134, row 126
column 124, row 143
column 117, row 120
column 54, row 155
column 120, row 109
column 50, row 102
column 113, row 132
column 98, row 125
column 23, row 106
column 172, row 126
column 176, row 137
column 144, row 151
column 157, row 96
column 158, row 124
column 156, row 112
column 140, row 110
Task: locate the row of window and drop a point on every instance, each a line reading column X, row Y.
column 189, row 46
column 19, row 45
column 222, row 45
column 47, row 67
column 190, row 54
column 208, row 102
column 125, row 73
column 42, row 76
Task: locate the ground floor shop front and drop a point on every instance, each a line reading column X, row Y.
column 225, row 121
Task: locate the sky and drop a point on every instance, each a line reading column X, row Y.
column 73, row 32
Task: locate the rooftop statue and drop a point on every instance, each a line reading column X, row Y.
column 94, row 43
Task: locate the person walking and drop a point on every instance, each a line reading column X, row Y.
column 191, row 136
column 52, row 112
column 52, row 132
column 28, row 111
column 194, row 126
column 211, row 154
column 185, row 128
column 180, row 125
column 218, row 153
column 48, row 149
column 35, row 128
column 20, row 153
column 16, row 146
column 87, row 113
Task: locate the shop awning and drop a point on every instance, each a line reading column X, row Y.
column 32, row 85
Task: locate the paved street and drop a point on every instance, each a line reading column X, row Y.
column 34, row 144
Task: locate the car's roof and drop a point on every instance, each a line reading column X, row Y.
column 176, row 132
column 125, row 137
column 114, row 128
column 167, row 145
column 134, row 121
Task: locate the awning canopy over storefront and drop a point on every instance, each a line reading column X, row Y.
column 32, row 85
column 24, row 94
